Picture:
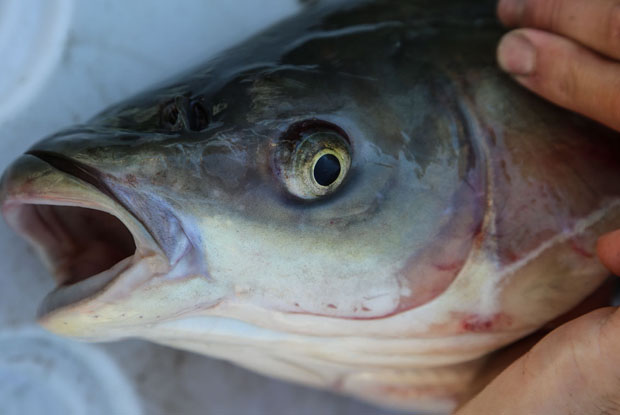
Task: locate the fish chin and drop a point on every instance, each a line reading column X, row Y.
column 84, row 236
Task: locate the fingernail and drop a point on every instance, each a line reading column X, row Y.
column 511, row 11
column 516, row 54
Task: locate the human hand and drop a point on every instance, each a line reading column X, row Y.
column 570, row 54
column 567, row 51
column 575, row 369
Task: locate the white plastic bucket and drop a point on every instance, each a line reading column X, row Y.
column 41, row 373
column 32, row 38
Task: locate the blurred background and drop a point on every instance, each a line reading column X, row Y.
column 62, row 61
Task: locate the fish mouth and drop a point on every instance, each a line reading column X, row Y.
column 85, row 236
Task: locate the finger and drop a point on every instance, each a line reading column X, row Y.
column 608, row 249
column 594, row 23
column 574, row 369
column 498, row 362
column 563, row 72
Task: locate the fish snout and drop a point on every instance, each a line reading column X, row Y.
column 80, row 230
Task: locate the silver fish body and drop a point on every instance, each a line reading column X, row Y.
column 356, row 199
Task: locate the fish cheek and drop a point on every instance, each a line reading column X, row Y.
column 447, row 191
column 429, row 271
column 328, row 257
column 227, row 167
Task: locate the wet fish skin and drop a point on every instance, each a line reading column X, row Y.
column 467, row 219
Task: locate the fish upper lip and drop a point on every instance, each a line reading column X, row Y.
column 73, row 168
column 39, row 194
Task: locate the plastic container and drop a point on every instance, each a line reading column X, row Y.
column 42, row 373
column 32, row 38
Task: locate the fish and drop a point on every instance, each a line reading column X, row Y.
column 356, row 199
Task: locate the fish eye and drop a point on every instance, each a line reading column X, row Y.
column 313, row 159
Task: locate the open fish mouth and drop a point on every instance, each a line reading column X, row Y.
column 83, row 234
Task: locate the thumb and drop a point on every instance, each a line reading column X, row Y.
column 574, row 369
column 608, row 249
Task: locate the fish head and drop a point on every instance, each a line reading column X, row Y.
column 269, row 191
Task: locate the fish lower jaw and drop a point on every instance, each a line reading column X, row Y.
column 104, row 286
column 74, row 293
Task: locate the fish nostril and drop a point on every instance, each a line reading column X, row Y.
column 169, row 116
column 198, row 116
column 179, row 114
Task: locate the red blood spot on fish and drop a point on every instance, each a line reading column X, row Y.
column 450, row 266
column 575, row 246
column 510, row 256
column 477, row 323
column 331, row 306
column 478, row 236
column 366, row 308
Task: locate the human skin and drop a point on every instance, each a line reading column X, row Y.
column 567, row 51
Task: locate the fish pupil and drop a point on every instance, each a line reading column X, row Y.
column 327, row 169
